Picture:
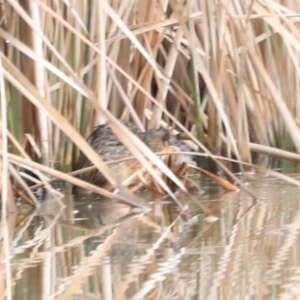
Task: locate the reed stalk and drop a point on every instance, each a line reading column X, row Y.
column 226, row 70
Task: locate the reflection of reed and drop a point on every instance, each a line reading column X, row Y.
column 100, row 249
column 8, row 225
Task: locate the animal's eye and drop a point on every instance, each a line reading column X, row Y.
column 166, row 137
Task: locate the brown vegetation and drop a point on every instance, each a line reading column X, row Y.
column 225, row 73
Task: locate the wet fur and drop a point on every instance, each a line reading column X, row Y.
column 109, row 147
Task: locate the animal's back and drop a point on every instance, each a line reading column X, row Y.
column 109, row 148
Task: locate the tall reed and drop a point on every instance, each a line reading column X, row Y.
column 227, row 70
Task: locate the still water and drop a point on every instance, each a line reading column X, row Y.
column 97, row 249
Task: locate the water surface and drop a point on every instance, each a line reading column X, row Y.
column 97, row 249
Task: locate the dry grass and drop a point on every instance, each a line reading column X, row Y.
column 224, row 72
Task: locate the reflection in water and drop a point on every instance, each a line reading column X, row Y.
column 97, row 249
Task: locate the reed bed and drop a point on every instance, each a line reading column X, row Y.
column 225, row 73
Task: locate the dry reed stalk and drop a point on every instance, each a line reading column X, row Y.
column 42, row 179
column 39, row 81
column 238, row 53
column 7, row 198
column 65, row 177
column 91, row 96
column 102, row 96
column 62, row 124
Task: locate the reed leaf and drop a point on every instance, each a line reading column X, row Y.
column 70, row 66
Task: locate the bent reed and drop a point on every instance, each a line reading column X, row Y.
column 225, row 75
